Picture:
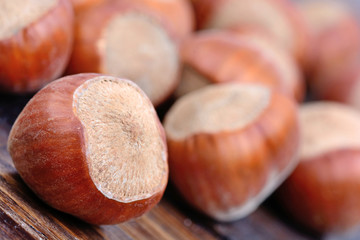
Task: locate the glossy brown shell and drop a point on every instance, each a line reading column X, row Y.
column 323, row 192
column 38, row 53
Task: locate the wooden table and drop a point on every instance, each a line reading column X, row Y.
column 24, row 216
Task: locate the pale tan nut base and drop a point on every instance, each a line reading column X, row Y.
column 136, row 47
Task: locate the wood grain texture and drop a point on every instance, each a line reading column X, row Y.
column 24, row 216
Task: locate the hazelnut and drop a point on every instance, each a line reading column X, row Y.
column 230, row 146
column 36, row 38
column 279, row 18
column 92, row 146
column 215, row 56
column 323, row 191
column 127, row 43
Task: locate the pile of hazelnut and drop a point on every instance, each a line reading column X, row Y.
column 90, row 142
